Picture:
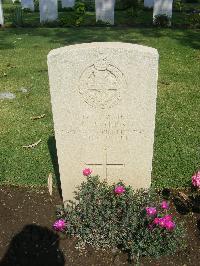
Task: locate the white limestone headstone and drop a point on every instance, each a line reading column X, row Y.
column 68, row 3
column 48, row 10
column 1, row 15
column 105, row 10
column 162, row 7
column 148, row 3
column 29, row 4
column 103, row 99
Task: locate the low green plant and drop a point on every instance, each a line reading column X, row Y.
column 179, row 5
column 110, row 216
column 162, row 21
column 80, row 11
column 36, row 5
column 18, row 17
column 194, row 19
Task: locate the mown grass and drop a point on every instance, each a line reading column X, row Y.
column 23, row 54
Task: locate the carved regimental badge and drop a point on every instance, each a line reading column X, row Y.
column 101, row 84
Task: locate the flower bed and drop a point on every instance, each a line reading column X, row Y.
column 116, row 216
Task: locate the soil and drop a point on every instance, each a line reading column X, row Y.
column 27, row 238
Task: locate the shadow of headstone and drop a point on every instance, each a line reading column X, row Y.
column 54, row 159
column 34, row 246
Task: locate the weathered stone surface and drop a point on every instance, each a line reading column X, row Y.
column 104, row 103
column 105, row 11
column 68, row 3
column 148, row 3
column 27, row 4
column 7, row 95
column 162, row 7
column 1, row 14
column 48, row 10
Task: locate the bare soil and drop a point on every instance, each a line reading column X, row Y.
column 27, row 238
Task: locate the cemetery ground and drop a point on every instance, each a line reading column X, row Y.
column 27, row 118
column 123, row 17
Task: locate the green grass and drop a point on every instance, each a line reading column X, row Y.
column 23, row 54
column 23, row 64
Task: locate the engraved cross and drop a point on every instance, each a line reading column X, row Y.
column 106, row 165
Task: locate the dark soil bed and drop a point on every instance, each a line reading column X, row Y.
column 27, row 238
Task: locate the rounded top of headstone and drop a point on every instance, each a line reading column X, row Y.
column 102, row 46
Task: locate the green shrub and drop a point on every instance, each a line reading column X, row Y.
column 79, row 12
column 179, row 5
column 104, row 219
column 18, row 17
column 162, row 21
column 36, row 4
column 194, row 19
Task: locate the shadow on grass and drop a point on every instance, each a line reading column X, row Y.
column 34, row 246
column 54, row 160
column 142, row 35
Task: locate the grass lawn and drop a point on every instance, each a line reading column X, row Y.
column 23, row 56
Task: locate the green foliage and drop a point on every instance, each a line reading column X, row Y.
column 18, row 17
column 192, row 1
column 162, row 21
column 179, row 5
column 75, row 18
column 36, row 5
column 79, row 12
column 194, row 19
column 89, row 5
column 103, row 219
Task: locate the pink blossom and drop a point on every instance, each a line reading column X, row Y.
column 196, row 179
column 87, row 171
column 151, row 211
column 169, row 225
column 59, row 225
column 168, row 217
column 156, row 220
column 119, row 190
column 162, row 222
column 165, row 205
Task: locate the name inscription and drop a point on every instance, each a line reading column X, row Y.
column 110, row 126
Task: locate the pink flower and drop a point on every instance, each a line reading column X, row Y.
column 87, row 171
column 196, row 179
column 59, row 225
column 162, row 222
column 119, row 190
column 168, row 217
column 169, row 225
column 165, row 205
column 151, row 211
column 156, row 220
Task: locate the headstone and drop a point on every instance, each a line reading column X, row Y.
column 105, row 11
column 162, row 7
column 29, row 4
column 68, row 3
column 104, row 103
column 148, row 3
column 48, row 10
column 1, row 15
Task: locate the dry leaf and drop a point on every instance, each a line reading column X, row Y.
column 38, row 117
column 184, row 196
column 33, row 145
column 50, row 184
